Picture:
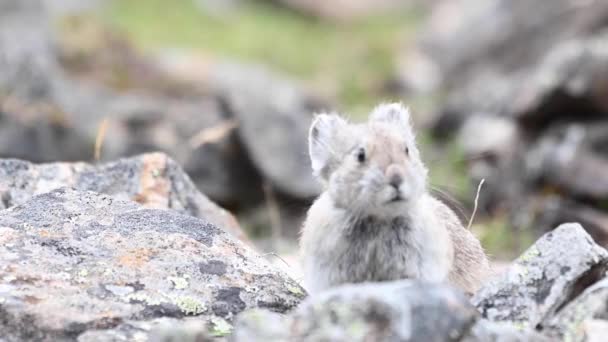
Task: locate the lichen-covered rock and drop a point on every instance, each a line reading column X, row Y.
column 390, row 311
column 551, row 272
column 74, row 263
column 153, row 180
column 572, row 323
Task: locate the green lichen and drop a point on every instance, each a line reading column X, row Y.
column 521, row 326
column 296, row 290
column 531, row 253
column 189, row 305
column 356, row 329
column 178, row 282
column 219, row 327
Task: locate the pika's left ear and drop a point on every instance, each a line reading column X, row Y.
column 394, row 113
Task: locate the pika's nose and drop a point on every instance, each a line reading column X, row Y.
column 395, row 180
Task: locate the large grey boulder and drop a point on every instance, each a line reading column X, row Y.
column 549, row 274
column 80, row 264
column 153, row 180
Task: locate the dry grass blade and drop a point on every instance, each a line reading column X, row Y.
column 278, row 257
column 273, row 212
column 213, row 134
column 476, row 201
column 101, row 134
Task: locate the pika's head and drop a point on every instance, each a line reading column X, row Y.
column 369, row 168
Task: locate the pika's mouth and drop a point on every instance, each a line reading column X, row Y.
column 396, row 198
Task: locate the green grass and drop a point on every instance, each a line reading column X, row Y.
column 500, row 240
column 350, row 61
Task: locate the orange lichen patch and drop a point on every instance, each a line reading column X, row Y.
column 135, row 257
column 154, row 188
column 44, row 233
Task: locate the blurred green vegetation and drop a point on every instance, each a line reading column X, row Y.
column 349, row 61
column 500, row 240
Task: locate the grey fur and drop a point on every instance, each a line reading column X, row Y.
column 355, row 232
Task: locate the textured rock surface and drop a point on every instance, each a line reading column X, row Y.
column 551, row 272
column 572, row 322
column 75, row 263
column 392, row 311
column 153, row 180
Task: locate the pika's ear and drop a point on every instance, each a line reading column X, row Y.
column 393, row 113
column 322, row 139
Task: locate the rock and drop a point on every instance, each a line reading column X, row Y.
column 486, row 331
column 487, row 52
column 484, row 135
column 570, row 82
column 76, row 263
column 390, row 311
column 274, row 130
column 549, row 211
column 563, row 159
column 153, row 180
column 579, row 318
column 551, row 272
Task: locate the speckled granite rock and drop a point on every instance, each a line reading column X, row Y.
column 560, row 265
column 153, row 180
column 76, row 263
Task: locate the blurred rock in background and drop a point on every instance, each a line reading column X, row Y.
column 524, row 89
column 236, row 129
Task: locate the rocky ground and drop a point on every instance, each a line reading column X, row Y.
column 147, row 256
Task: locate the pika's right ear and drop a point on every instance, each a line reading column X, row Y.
column 321, row 143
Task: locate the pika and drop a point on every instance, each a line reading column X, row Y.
column 375, row 219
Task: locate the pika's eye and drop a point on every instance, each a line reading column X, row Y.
column 361, row 155
column 407, row 151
